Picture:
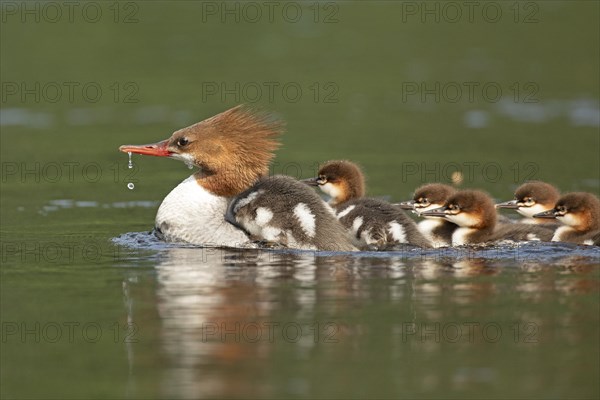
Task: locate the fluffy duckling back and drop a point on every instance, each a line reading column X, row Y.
column 283, row 211
column 374, row 223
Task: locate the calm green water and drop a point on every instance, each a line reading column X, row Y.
column 92, row 306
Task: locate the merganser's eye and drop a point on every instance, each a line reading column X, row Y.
column 528, row 201
column 562, row 210
column 182, row 142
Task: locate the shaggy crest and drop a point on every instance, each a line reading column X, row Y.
column 233, row 149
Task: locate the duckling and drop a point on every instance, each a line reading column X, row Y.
column 474, row 213
column 374, row 223
column 284, row 211
column 579, row 212
column 428, row 197
column 532, row 198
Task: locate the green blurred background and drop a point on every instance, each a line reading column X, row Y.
column 378, row 86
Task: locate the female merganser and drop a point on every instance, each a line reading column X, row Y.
column 279, row 209
column 579, row 213
column 374, row 223
column 428, row 197
column 232, row 151
column 474, row 213
column 532, row 198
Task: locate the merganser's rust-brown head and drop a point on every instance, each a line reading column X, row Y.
column 232, row 149
column 532, row 198
column 428, row 197
column 469, row 209
column 579, row 210
column 341, row 180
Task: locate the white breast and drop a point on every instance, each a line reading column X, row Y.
column 461, row 236
column 427, row 226
column 560, row 233
column 194, row 215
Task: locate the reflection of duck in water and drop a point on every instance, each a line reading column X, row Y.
column 202, row 293
column 212, row 305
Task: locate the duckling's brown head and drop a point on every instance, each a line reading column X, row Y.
column 579, row 210
column 533, row 197
column 469, row 209
column 341, row 180
column 431, row 195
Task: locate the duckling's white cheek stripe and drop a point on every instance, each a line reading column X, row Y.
column 397, row 232
column 331, row 190
column 306, row 218
column 569, row 219
column 263, row 216
column 530, row 211
column 356, row 224
column 463, row 219
column 345, row 211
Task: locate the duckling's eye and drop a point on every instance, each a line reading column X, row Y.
column 561, row 210
column 182, row 142
column 528, row 201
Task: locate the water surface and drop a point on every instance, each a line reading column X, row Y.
column 92, row 306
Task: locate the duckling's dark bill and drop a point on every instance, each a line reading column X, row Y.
column 512, row 204
column 311, row 181
column 436, row 212
column 406, row 205
column 545, row 214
